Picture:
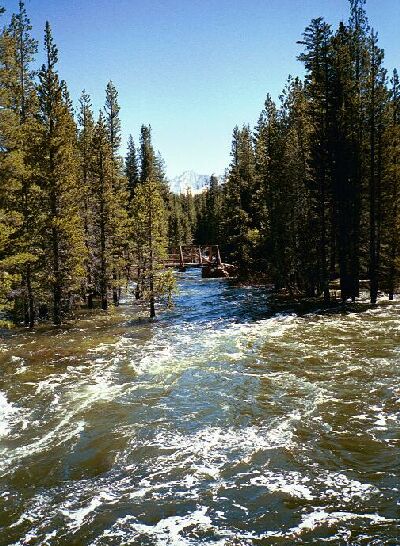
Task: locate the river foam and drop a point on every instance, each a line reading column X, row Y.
column 216, row 424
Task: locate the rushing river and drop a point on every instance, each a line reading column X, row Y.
column 218, row 424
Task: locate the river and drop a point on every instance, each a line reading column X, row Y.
column 218, row 424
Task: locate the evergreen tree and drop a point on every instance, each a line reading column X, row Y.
column 103, row 208
column 113, row 123
column 85, row 138
column 131, row 168
column 147, row 156
column 112, row 111
column 150, row 225
column 64, row 250
column 202, row 235
column 376, row 107
column 18, row 130
column 213, row 211
column 299, row 234
column 269, row 150
column 317, row 61
column 150, row 230
column 175, row 223
column 390, row 269
column 238, row 199
column 188, row 217
column 347, row 141
column 161, row 177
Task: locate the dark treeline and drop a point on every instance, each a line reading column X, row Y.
column 312, row 193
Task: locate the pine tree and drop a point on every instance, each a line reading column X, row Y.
column 85, row 138
column 131, row 168
column 358, row 29
column 347, row 158
column 202, row 233
column 26, row 104
column 149, row 224
column 150, row 228
column 376, row 106
column 113, row 123
column 60, row 182
column 267, row 158
column 175, row 223
column 188, row 217
column 8, row 279
column 147, row 156
column 390, row 268
column 317, row 60
column 239, row 199
column 102, row 204
column 301, row 254
column 18, row 129
column 213, row 211
column 112, row 111
column 161, row 177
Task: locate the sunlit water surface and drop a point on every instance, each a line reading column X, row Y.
column 218, row 424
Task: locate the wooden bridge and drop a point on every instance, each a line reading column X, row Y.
column 207, row 257
column 194, row 256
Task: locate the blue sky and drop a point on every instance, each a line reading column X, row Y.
column 191, row 68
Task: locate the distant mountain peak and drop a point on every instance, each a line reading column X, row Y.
column 189, row 180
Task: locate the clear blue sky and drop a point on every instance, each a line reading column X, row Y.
column 191, row 68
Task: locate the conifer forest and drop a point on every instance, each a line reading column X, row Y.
column 256, row 407
column 311, row 194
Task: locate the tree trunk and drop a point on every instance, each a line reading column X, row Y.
column 152, row 302
column 31, row 302
column 57, row 279
column 57, row 283
column 115, row 289
column 151, row 265
column 103, row 270
column 372, row 210
column 103, row 265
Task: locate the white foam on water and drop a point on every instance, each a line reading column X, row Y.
column 361, row 417
column 20, row 364
column 336, row 485
column 232, row 342
column 169, row 531
column 8, row 413
column 217, row 444
column 91, row 385
column 154, row 362
column 320, row 517
column 381, row 421
column 77, row 517
column 292, row 483
column 182, row 463
column 101, row 348
column 64, row 431
column 16, row 359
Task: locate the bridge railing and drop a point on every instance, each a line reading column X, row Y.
column 194, row 255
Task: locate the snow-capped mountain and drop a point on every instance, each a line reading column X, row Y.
column 196, row 183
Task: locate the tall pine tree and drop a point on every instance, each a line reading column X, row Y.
column 64, row 249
